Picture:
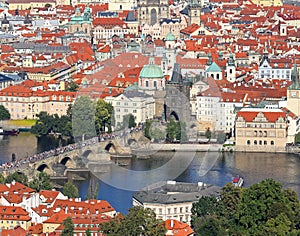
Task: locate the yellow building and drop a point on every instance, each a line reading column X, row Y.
column 29, row 98
column 12, row 216
column 261, row 130
column 268, row 2
column 24, row 4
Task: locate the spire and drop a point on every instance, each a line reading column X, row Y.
column 295, row 78
column 231, row 60
column 209, row 62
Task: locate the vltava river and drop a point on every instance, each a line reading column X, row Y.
column 212, row 168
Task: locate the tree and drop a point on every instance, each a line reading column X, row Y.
column 103, row 116
column 83, row 117
column 4, row 113
column 147, row 129
column 158, row 134
column 172, row 128
column 72, row 87
column 128, row 121
column 18, row 177
column 88, row 232
column 41, row 182
column 2, row 179
column 70, row 190
column 68, row 227
column 139, row 221
column 52, row 123
column 262, row 209
column 297, row 138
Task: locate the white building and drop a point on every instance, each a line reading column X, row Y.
column 275, row 69
column 173, row 200
column 139, row 104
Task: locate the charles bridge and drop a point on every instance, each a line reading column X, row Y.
column 94, row 155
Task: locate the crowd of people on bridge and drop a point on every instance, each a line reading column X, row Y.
column 61, row 150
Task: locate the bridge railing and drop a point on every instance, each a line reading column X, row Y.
column 10, row 166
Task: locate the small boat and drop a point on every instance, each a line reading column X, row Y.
column 237, row 181
column 9, row 132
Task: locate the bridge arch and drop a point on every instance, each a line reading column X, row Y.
column 111, row 148
column 44, row 168
column 66, row 161
column 131, row 141
column 174, row 115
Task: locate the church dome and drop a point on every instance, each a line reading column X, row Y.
column 151, row 71
column 170, row 37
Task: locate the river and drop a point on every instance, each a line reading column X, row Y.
column 118, row 185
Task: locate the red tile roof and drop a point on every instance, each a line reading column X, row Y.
column 272, row 117
column 178, row 228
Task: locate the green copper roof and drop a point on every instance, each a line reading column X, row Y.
column 151, row 71
column 170, row 37
column 132, row 87
column 214, row 68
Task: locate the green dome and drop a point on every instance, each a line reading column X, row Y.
column 151, row 71
column 214, row 68
column 170, row 37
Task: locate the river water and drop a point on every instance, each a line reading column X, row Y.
column 118, row 185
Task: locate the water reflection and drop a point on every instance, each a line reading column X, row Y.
column 254, row 167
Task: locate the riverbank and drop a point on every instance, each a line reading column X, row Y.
column 18, row 124
column 186, row 147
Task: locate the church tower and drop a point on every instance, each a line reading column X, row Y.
column 150, row 12
column 194, row 12
column 230, row 69
column 170, row 50
column 293, row 92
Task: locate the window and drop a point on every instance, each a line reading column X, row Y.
column 255, row 142
column 248, row 142
column 272, row 142
column 265, row 143
column 169, row 210
column 260, row 142
column 175, row 210
column 181, row 209
column 146, row 83
column 187, row 209
column 160, row 210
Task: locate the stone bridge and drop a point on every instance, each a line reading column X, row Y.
column 91, row 156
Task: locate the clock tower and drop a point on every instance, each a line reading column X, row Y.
column 293, row 93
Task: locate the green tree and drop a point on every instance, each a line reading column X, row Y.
column 172, row 129
column 103, row 116
column 2, row 179
column 72, row 87
column 139, row 221
column 68, row 227
column 147, row 132
column 4, row 113
column 297, row 138
column 44, row 124
column 128, row 121
column 88, row 232
column 41, row 182
column 261, row 203
column 18, row 177
column 83, row 117
column 158, row 134
column 262, row 209
column 70, row 190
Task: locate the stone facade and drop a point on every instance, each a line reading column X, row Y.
column 152, row 11
column 261, row 130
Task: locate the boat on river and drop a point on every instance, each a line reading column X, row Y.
column 237, row 181
column 9, row 132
